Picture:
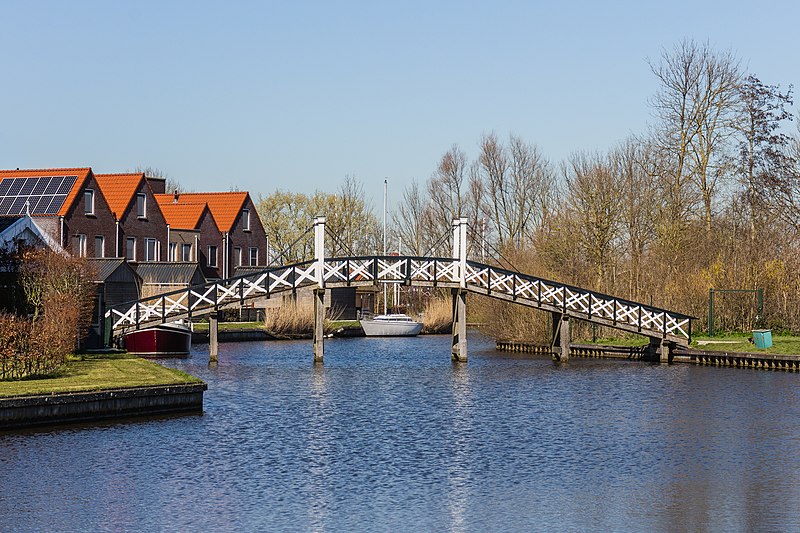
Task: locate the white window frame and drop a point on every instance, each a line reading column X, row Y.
column 128, row 240
column 250, row 256
column 184, row 247
column 141, row 213
column 148, row 241
column 210, row 256
column 88, row 205
column 245, row 220
column 173, row 251
column 102, row 240
column 237, row 256
column 80, row 238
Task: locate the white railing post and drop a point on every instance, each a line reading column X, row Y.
column 319, row 250
column 319, row 292
column 460, row 249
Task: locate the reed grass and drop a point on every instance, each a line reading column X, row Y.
column 437, row 316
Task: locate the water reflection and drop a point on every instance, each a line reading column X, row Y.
column 390, row 435
column 459, row 466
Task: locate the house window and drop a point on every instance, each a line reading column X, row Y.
column 79, row 245
column 212, row 256
column 237, row 256
column 246, row 219
column 186, row 252
column 99, row 246
column 130, row 248
column 141, row 205
column 253, row 256
column 88, row 202
column 150, row 250
column 173, row 251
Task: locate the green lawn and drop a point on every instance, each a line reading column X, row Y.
column 781, row 344
column 96, row 372
column 202, row 327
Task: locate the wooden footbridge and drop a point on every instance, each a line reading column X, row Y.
column 665, row 328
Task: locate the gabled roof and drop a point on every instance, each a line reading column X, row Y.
column 22, row 225
column 182, row 215
column 225, row 206
column 170, row 273
column 119, row 190
column 80, row 174
column 106, row 266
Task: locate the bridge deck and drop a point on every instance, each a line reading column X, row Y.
column 477, row 278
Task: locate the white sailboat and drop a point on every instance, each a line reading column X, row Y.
column 389, row 325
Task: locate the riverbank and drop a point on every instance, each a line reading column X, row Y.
column 98, row 387
column 718, row 354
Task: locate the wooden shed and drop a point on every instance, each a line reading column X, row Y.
column 116, row 282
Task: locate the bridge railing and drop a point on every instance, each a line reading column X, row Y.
column 578, row 302
column 411, row 270
column 200, row 299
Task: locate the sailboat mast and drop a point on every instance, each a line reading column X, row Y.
column 385, row 194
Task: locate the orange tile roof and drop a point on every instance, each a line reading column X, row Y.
column 224, row 206
column 82, row 173
column 180, row 216
column 119, row 190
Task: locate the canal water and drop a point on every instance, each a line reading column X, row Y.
column 389, row 435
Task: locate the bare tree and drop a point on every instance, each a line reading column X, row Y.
column 518, row 183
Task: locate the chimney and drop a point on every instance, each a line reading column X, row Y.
column 175, row 197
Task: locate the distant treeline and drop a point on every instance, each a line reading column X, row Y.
column 708, row 197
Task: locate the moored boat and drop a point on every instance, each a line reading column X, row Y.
column 171, row 339
column 394, row 325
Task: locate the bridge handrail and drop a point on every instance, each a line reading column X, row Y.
column 625, row 301
column 199, row 286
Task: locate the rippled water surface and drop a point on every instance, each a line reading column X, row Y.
column 389, row 435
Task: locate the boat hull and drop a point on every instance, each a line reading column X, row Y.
column 159, row 341
column 385, row 328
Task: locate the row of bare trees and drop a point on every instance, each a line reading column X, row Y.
column 707, row 198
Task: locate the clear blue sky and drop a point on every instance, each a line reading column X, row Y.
column 295, row 95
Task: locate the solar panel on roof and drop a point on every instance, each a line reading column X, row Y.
column 27, row 187
column 41, row 185
column 52, row 186
column 66, row 185
column 43, row 195
column 16, row 185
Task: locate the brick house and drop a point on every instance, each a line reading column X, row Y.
column 192, row 233
column 140, row 230
column 244, row 241
column 66, row 203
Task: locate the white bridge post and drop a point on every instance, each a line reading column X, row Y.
column 319, row 290
column 459, row 344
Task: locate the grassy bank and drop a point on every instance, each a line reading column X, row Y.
column 202, row 327
column 99, row 372
column 781, row 344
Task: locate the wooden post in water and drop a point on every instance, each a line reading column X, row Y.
column 319, row 291
column 213, row 330
column 459, row 345
column 319, row 325
column 559, row 339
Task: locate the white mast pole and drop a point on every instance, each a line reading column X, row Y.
column 385, row 193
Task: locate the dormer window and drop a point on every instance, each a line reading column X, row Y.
column 246, row 219
column 141, row 205
column 88, row 202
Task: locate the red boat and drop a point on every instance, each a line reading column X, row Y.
column 163, row 340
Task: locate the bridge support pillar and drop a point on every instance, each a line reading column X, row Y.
column 213, row 331
column 660, row 350
column 319, row 325
column 459, row 346
column 559, row 338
